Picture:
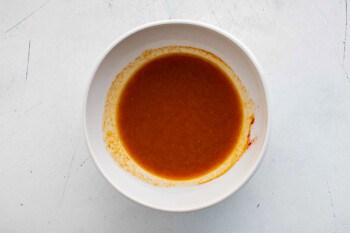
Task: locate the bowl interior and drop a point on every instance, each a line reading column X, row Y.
column 155, row 36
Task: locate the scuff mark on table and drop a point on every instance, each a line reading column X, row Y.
column 331, row 200
column 25, row 18
column 21, row 114
column 82, row 164
column 28, row 59
column 233, row 20
column 67, row 179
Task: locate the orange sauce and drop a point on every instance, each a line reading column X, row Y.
column 179, row 116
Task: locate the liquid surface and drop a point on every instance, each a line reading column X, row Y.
column 179, row 116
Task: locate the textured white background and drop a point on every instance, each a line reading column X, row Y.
column 48, row 182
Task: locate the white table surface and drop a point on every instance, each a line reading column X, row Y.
column 48, row 181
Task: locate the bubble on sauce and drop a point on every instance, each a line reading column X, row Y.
column 112, row 138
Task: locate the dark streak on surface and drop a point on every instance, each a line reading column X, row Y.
column 28, row 58
column 258, row 206
column 67, row 179
column 203, row 13
column 347, row 76
column 25, row 18
column 29, row 109
column 110, row 3
column 267, row 3
column 233, row 20
column 346, row 73
column 70, row 168
column 216, row 18
column 326, row 18
column 20, row 115
column 331, row 199
column 84, row 162
column 166, row 5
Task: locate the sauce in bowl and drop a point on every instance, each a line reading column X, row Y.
column 177, row 114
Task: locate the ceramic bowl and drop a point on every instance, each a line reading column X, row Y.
column 187, row 33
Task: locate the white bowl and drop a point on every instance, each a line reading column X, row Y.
column 155, row 35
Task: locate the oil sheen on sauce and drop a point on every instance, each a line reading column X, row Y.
column 179, row 116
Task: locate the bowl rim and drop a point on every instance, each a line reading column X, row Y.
column 244, row 49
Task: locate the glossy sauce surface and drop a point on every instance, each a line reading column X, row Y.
column 179, row 116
